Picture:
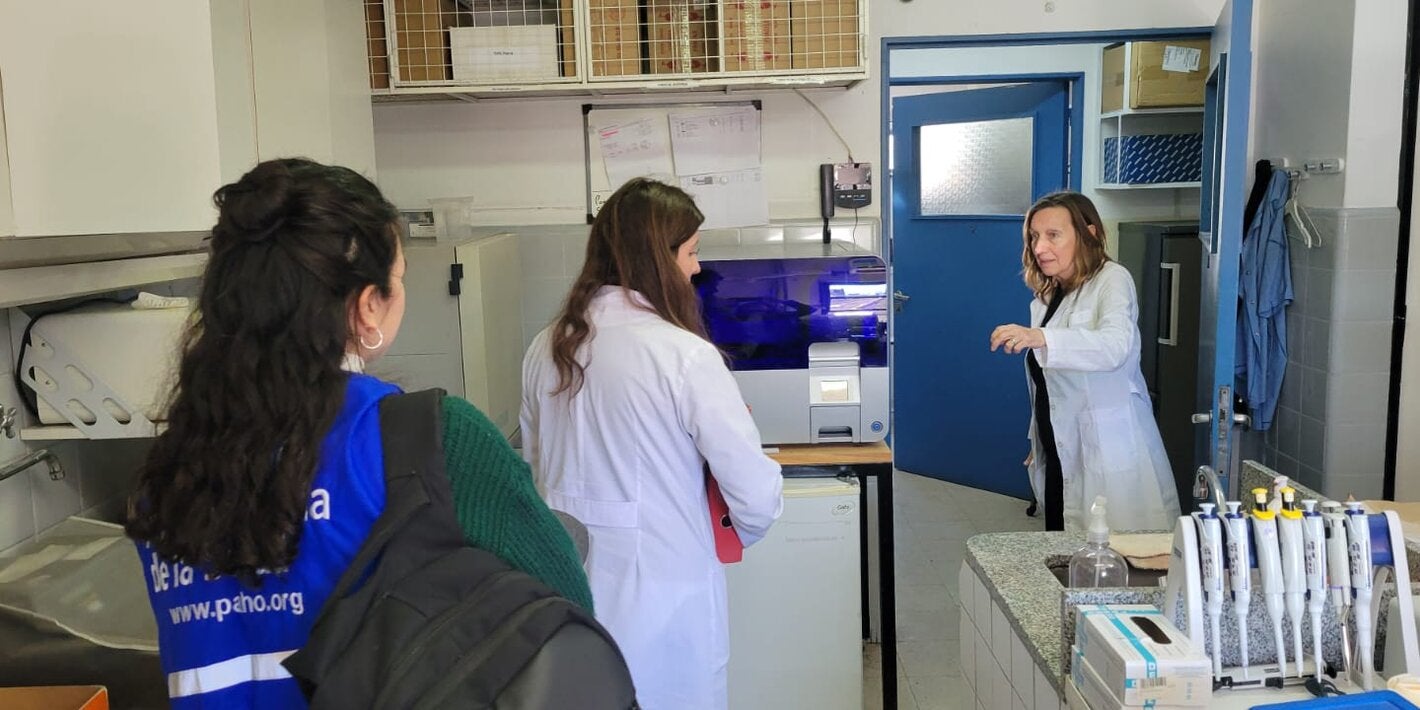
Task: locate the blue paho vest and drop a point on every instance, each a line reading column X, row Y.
column 222, row 642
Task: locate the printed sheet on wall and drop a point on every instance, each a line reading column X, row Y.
column 712, row 153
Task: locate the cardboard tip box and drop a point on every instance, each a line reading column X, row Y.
column 1155, row 76
column 55, row 697
column 1141, row 656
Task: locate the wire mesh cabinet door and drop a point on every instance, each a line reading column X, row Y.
column 460, row 43
column 422, row 46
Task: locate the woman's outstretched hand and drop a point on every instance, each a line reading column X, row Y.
column 1016, row 338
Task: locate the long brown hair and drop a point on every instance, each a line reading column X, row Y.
column 1090, row 254
column 633, row 245
column 226, row 485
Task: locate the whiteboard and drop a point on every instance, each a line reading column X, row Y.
column 679, row 143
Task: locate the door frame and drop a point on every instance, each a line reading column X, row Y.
column 1024, row 39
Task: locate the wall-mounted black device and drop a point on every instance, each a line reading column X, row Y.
column 846, row 185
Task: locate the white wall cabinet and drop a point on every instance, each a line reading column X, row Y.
column 123, row 118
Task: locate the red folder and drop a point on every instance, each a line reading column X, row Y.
column 727, row 542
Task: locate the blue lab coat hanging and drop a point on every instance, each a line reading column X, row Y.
column 1265, row 291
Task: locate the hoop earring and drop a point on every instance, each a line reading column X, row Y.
column 377, row 344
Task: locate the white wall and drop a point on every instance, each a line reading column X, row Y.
column 523, row 159
column 1328, row 84
column 1377, row 78
column 1302, row 88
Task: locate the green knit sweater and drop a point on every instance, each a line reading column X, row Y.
column 499, row 508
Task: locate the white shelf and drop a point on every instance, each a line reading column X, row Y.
column 68, row 432
column 1173, row 111
column 726, row 83
column 39, row 284
column 1149, row 186
column 51, row 433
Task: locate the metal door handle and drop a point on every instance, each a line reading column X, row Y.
column 899, row 298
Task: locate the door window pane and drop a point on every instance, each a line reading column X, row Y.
column 976, row 167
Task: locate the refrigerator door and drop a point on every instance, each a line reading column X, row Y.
column 795, row 611
column 1177, row 359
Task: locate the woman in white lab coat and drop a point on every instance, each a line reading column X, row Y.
column 624, row 402
column 1092, row 426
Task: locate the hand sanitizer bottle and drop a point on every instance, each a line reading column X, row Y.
column 1095, row 565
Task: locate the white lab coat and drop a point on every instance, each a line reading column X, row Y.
column 625, row 457
column 1104, row 425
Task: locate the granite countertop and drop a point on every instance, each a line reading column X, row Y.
column 1014, row 567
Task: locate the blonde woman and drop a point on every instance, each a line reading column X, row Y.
column 1092, row 426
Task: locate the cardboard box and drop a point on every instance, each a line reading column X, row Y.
column 55, row 697
column 422, row 38
column 1155, row 76
column 1151, row 159
column 615, row 34
column 681, row 34
column 757, row 35
column 376, row 46
column 504, row 54
column 567, row 39
column 1141, row 656
column 824, row 33
column 1092, row 688
column 1112, row 78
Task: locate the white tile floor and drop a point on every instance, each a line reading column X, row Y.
column 933, row 520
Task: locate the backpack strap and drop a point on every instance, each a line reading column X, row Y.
column 412, row 436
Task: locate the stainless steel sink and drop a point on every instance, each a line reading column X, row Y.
column 37, row 652
column 1137, row 577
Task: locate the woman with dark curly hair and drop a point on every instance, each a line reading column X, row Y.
column 269, row 475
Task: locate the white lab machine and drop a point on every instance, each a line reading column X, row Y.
column 804, row 327
column 795, row 607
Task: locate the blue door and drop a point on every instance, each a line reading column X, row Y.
column 966, row 167
column 1224, row 196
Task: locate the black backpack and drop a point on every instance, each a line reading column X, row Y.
column 422, row 620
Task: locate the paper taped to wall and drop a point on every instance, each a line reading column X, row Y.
column 730, row 199
column 719, row 142
column 636, row 149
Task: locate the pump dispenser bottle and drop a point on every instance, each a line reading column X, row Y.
column 1095, row 565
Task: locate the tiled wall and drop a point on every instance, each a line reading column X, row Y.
column 1329, row 431
column 552, row 257
column 998, row 669
column 98, row 475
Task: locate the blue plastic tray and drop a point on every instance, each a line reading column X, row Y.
column 1375, row 700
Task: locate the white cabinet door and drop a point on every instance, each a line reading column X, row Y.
column 110, row 115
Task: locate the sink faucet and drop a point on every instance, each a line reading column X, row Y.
column 1207, row 487
column 56, row 471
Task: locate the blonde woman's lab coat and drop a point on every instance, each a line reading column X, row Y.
column 625, row 457
column 1104, row 424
